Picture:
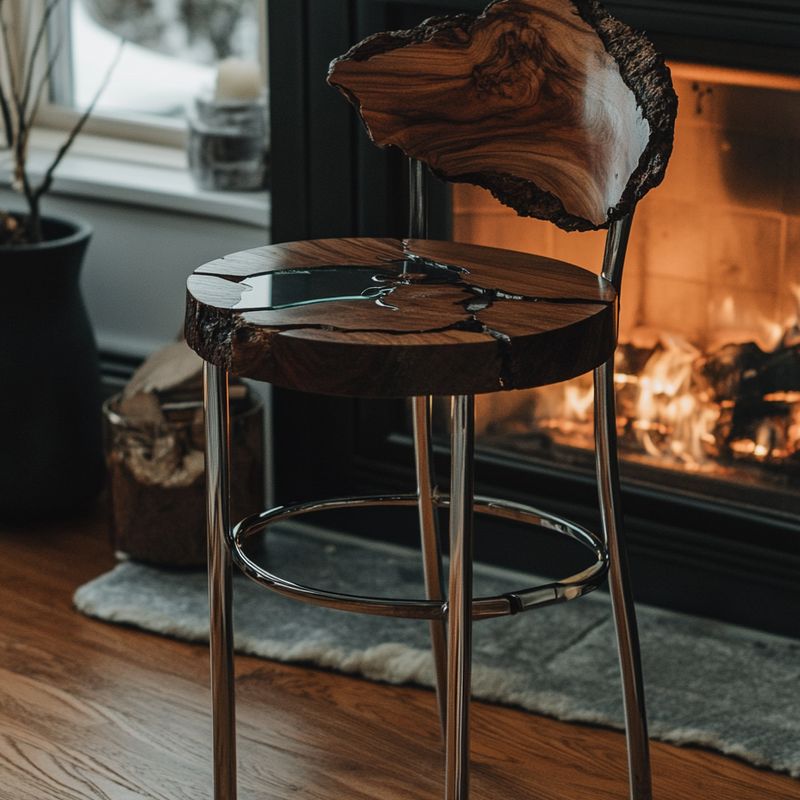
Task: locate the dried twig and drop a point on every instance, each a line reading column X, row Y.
column 19, row 104
column 5, row 112
column 5, row 107
column 34, row 54
column 48, row 176
column 10, row 66
column 18, row 135
column 43, row 84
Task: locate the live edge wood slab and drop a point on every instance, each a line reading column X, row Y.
column 560, row 110
column 390, row 318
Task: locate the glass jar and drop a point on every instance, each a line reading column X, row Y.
column 228, row 144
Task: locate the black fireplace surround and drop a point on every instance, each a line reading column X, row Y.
column 734, row 560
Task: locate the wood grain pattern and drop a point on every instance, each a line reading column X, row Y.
column 560, row 110
column 478, row 320
column 91, row 711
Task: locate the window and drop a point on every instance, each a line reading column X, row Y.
column 170, row 54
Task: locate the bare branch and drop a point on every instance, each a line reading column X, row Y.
column 21, row 96
column 13, row 101
column 24, row 132
column 12, row 70
column 30, row 58
column 33, row 107
column 62, row 151
column 5, row 112
column 5, row 106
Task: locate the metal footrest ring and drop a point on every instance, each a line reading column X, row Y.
column 482, row 607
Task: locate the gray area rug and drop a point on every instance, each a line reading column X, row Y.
column 710, row 684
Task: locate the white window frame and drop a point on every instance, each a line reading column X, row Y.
column 136, row 128
column 124, row 159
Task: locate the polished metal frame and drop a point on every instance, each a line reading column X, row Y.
column 451, row 614
column 512, row 602
column 607, row 469
column 220, row 595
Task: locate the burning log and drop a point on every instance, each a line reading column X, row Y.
column 682, row 408
column 726, row 369
column 760, row 396
column 778, row 374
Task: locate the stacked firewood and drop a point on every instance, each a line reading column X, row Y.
column 759, row 393
column 155, row 445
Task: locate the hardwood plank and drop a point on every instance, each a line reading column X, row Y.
column 90, row 710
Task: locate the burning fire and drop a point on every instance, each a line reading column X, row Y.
column 696, row 410
column 672, row 415
column 725, row 394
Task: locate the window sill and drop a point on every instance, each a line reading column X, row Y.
column 139, row 174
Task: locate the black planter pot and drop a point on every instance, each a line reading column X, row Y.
column 51, row 455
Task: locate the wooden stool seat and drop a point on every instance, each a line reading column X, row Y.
column 386, row 318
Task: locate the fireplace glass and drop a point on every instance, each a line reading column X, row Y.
column 708, row 365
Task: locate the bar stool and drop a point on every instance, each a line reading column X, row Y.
column 563, row 113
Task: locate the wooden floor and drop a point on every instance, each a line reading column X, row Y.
column 91, row 710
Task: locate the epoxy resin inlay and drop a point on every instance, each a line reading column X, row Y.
column 414, row 316
column 290, row 288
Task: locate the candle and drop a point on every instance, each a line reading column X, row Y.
column 238, row 79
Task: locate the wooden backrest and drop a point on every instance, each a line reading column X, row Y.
column 561, row 111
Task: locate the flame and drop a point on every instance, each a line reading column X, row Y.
column 793, row 431
column 773, row 440
column 772, row 334
column 578, row 402
column 675, row 417
column 782, row 397
column 668, row 411
column 764, row 441
column 566, row 410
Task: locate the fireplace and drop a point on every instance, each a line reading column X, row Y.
column 708, row 367
column 708, row 370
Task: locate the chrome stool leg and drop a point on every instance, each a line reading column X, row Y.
column 428, row 522
column 619, row 584
column 431, row 544
column 217, row 420
column 459, row 613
